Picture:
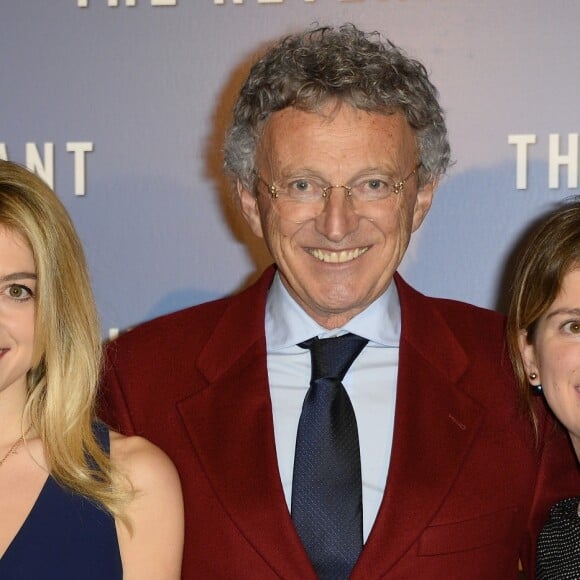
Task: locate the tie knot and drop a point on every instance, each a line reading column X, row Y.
column 332, row 357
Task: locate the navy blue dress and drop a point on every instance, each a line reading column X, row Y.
column 65, row 537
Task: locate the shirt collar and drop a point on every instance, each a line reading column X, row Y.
column 287, row 324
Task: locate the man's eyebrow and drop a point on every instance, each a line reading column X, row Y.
column 18, row 276
column 567, row 311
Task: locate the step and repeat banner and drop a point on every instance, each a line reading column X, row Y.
column 121, row 105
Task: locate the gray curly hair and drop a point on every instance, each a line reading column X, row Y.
column 309, row 69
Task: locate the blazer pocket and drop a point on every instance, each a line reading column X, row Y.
column 467, row 534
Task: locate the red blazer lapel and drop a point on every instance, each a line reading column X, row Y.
column 231, row 428
column 435, row 425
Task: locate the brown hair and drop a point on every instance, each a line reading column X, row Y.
column 551, row 252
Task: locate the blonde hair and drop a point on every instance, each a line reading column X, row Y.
column 62, row 383
column 551, row 252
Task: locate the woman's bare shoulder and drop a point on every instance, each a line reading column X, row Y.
column 141, row 461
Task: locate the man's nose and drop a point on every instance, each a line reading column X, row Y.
column 338, row 219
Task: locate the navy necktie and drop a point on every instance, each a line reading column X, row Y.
column 326, row 486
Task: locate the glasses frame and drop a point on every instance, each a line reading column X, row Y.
column 398, row 187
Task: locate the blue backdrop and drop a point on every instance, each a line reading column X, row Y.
column 122, row 106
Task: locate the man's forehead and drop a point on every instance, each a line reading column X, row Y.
column 293, row 134
column 327, row 113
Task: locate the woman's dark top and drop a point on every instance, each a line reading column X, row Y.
column 559, row 543
column 65, row 537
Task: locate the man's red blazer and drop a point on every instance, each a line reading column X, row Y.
column 468, row 487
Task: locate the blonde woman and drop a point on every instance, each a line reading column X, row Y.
column 76, row 500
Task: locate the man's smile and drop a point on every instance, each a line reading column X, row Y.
column 337, row 257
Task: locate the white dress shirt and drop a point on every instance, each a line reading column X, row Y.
column 370, row 383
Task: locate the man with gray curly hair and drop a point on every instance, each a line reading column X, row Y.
column 330, row 421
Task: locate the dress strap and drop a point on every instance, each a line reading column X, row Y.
column 101, row 432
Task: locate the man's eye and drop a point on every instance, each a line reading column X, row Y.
column 373, row 188
column 376, row 184
column 300, row 185
column 303, row 190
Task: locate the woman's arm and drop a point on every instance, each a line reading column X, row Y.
column 153, row 547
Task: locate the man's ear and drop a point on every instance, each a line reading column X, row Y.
column 250, row 209
column 528, row 353
column 423, row 203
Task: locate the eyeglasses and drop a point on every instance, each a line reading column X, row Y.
column 304, row 198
